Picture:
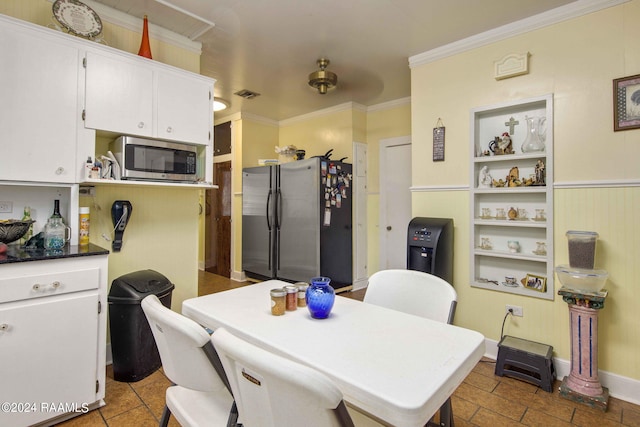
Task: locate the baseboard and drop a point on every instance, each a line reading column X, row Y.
column 360, row 284
column 623, row 388
column 238, row 276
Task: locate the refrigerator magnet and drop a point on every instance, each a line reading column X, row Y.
column 338, row 200
column 323, row 167
column 332, row 168
column 327, row 217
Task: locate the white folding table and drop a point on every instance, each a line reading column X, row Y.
column 397, row 368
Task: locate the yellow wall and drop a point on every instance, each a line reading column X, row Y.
column 317, row 133
column 323, row 132
column 252, row 140
column 576, row 61
column 259, row 141
column 163, row 232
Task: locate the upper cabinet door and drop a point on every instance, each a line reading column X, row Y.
column 119, row 95
column 185, row 110
column 39, row 92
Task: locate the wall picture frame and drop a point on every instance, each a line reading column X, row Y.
column 535, row 283
column 626, row 103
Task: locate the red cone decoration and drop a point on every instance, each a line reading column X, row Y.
column 145, row 49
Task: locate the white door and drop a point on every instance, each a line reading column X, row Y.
column 359, row 203
column 395, row 201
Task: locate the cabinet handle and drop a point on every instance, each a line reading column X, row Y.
column 60, row 170
column 39, row 287
column 169, row 130
column 141, row 125
column 4, row 327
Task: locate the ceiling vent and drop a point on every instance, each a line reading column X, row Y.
column 247, row 94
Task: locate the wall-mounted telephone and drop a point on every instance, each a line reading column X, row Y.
column 120, row 215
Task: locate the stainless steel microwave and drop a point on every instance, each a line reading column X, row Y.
column 154, row 160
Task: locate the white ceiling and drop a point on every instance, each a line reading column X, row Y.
column 271, row 46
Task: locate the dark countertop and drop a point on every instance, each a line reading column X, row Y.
column 16, row 254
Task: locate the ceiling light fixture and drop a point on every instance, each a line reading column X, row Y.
column 322, row 80
column 220, row 104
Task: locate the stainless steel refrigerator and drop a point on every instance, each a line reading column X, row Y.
column 296, row 221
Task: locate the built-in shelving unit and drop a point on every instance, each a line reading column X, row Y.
column 530, row 203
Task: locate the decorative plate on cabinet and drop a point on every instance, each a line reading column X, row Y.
column 77, row 18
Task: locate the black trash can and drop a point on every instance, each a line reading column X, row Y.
column 134, row 351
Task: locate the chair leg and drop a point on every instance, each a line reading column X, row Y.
column 164, row 420
column 446, row 416
column 233, row 416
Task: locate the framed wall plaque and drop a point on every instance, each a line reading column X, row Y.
column 438, row 142
column 626, row 103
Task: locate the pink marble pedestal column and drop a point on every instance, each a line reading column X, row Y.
column 582, row 384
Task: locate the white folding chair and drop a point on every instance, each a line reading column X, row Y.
column 418, row 293
column 201, row 395
column 272, row 391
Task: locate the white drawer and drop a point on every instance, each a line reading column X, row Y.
column 43, row 285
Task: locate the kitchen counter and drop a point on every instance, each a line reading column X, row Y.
column 16, row 254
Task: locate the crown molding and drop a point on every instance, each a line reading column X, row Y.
column 259, row 119
column 390, row 104
column 550, row 17
column 319, row 113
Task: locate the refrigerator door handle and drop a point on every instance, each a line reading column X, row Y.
column 278, row 224
column 278, row 209
column 268, row 215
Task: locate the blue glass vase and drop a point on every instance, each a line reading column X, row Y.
column 320, row 297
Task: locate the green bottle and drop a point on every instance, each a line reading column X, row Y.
column 26, row 217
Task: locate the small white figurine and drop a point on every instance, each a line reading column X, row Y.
column 484, row 178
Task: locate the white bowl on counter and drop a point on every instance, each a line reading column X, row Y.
column 581, row 279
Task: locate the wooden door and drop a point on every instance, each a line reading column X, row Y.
column 218, row 223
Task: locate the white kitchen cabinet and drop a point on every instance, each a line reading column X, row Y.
column 185, row 108
column 492, row 260
column 52, row 338
column 136, row 96
column 59, row 90
column 118, row 95
column 40, row 115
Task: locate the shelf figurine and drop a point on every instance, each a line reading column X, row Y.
column 484, row 178
column 540, row 173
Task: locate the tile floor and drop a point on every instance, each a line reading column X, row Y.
column 483, row 399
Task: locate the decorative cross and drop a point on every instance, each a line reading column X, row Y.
column 512, row 124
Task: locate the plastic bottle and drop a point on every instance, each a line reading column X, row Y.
column 27, row 217
column 83, row 226
column 87, row 168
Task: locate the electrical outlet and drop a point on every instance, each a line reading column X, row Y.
column 515, row 310
column 6, row 207
column 88, row 191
